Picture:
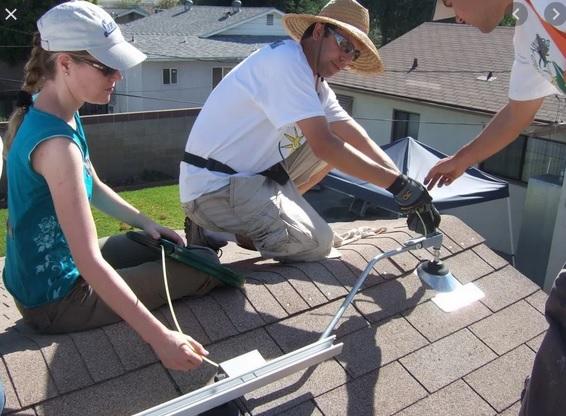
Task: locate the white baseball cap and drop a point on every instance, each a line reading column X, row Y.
column 83, row 26
column 442, row 12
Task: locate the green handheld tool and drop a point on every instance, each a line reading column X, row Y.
column 190, row 257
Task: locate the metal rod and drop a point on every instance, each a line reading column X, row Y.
column 433, row 240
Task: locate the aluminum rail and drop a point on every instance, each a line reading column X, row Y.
column 431, row 241
column 208, row 397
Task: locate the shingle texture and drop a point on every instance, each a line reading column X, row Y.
column 450, row 58
column 178, row 34
column 402, row 354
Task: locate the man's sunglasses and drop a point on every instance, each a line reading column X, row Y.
column 344, row 44
column 106, row 70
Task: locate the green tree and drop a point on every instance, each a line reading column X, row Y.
column 167, row 4
column 390, row 19
column 16, row 35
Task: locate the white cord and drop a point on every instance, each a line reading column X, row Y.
column 424, row 225
column 173, row 312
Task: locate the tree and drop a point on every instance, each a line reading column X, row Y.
column 167, row 4
column 390, row 19
column 16, row 35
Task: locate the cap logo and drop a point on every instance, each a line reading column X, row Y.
column 109, row 27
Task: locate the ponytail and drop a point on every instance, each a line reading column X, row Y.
column 39, row 67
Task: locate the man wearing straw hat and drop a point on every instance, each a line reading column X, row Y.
column 273, row 128
column 536, row 73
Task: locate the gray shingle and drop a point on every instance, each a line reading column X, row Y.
column 64, row 361
column 131, row 349
column 456, row 399
column 303, row 285
column 12, row 402
column 212, row 318
column 447, row 360
column 468, row 266
column 392, row 297
column 325, row 281
column 306, row 409
column 26, row 365
column 263, row 301
column 510, row 327
column 501, row 381
column 282, row 290
column 303, row 329
column 238, row 309
column 538, row 300
column 434, row 323
column 378, row 345
column 504, row 287
column 296, row 389
column 534, row 344
column 379, row 393
column 130, row 393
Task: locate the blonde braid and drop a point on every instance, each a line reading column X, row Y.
column 39, row 67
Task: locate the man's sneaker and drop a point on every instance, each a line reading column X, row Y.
column 196, row 236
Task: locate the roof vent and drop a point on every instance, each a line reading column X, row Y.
column 187, row 4
column 236, row 4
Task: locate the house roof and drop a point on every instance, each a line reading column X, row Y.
column 450, row 58
column 197, row 34
column 401, row 352
column 217, row 48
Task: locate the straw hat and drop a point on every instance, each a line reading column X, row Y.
column 352, row 18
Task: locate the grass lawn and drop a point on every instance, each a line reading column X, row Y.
column 159, row 203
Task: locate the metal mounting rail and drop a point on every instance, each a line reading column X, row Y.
column 208, row 397
column 431, row 241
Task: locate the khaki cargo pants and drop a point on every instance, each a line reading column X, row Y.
column 279, row 221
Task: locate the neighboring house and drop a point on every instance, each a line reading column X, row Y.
column 446, row 100
column 189, row 50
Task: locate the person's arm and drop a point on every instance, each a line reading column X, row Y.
column 504, row 128
column 327, row 146
column 109, row 202
column 59, row 161
column 351, row 132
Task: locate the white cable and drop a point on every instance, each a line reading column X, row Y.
column 173, row 312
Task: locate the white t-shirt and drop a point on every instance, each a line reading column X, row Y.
column 249, row 120
column 538, row 69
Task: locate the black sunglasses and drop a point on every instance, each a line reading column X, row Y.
column 344, row 44
column 106, row 70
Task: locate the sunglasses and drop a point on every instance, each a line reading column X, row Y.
column 344, row 44
column 106, row 70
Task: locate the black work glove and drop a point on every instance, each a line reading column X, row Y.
column 414, row 201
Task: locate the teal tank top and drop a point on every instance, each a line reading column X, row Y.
column 39, row 268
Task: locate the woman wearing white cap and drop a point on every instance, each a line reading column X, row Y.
column 61, row 278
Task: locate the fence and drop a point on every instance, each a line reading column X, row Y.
column 129, row 148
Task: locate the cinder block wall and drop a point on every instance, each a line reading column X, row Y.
column 123, row 146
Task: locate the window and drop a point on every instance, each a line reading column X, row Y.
column 346, row 102
column 527, row 157
column 269, row 20
column 218, row 73
column 169, row 76
column 404, row 124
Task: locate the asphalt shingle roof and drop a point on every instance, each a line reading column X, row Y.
column 178, row 34
column 401, row 352
column 450, row 58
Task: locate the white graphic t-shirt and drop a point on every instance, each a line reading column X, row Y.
column 249, row 120
column 538, row 69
